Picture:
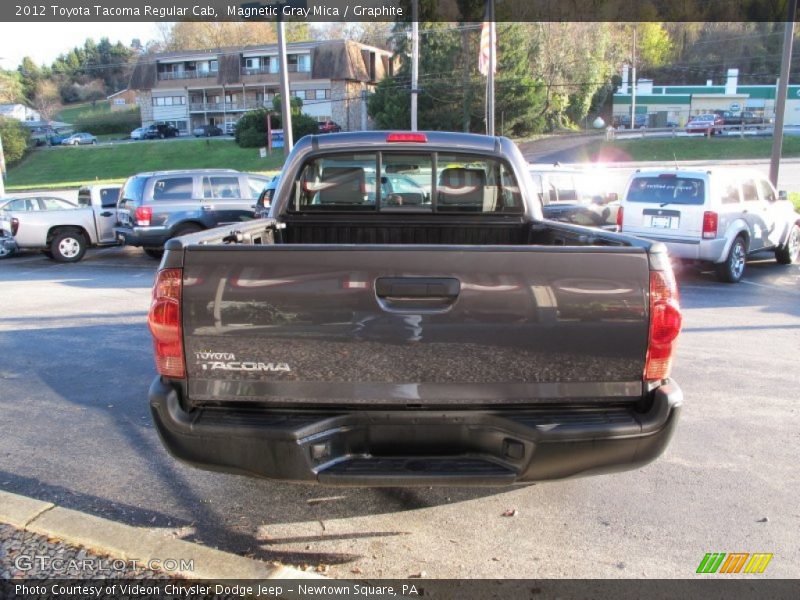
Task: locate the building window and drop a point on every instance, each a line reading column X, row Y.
column 169, row 101
column 304, row 63
column 322, row 94
column 252, row 63
column 310, row 95
column 214, row 64
column 119, row 101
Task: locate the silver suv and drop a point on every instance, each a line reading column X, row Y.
column 717, row 215
column 154, row 207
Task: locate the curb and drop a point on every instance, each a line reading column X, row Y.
column 127, row 542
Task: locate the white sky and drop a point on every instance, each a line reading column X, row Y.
column 43, row 42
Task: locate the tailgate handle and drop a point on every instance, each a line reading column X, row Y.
column 445, row 288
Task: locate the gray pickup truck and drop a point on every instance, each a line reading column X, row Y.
column 64, row 234
column 405, row 316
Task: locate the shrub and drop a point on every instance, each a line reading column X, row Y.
column 251, row 129
column 15, row 139
column 101, row 122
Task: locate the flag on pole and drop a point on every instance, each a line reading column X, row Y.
column 488, row 52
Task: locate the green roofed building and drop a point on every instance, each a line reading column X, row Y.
column 676, row 104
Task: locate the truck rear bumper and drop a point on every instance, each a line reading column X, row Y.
column 414, row 447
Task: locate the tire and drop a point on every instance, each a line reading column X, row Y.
column 732, row 268
column 68, row 246
column 4, row 252
column 94, row 142
column 789, row 253
column 186, row 230
column 155, row 253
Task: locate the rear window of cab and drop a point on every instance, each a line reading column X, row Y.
column 666, row 189
column 406, row 181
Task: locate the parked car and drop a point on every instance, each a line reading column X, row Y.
column 79, row 139
column 710, row 124
column 138, row 133
column 207, row 131
column 580, row 196
column 230, row 128
column 624, row 122
column 34, row 203
column 747, row 118
column 329, row 127
column 64, row 234
column 160, row 131
column 155, row 207
column 56, row 137
column 264, row 201
column 713, row 216
column 463, row 340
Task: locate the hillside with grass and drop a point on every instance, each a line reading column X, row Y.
column 72, row 167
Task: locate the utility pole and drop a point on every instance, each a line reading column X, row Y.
column 414, row 62
column 780, row 100
column 633, row 81
column 490, row 76
column 286, row 100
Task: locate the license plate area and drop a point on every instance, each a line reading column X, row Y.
column 664, row 222
column 661, row 219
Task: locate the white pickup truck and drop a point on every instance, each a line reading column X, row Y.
column 64, row 235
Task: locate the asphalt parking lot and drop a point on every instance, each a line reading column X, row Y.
column 75, row 429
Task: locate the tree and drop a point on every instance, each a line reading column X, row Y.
column 15, row 139
column 452, row 96
column 200, row 35
column 30, row 74
column 11, row 89
column 46, row 99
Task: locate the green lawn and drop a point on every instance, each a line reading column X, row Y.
column 695, row 148
column 70, row 112
column 72, row 167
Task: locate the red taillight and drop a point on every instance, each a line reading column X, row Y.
column 407, row 137
column 143, row 216
column 665, row 325
column 619, row 218
column 710, row 223
column 14, row 225
column 164, row 321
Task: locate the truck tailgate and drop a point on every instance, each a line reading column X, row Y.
column 416, row 326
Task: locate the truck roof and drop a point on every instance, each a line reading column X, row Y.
column 453, row 140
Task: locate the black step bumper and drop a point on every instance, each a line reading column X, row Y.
column 415, row 447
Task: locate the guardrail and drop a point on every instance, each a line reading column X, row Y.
column 712, row 131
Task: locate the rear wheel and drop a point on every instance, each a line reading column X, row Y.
column 731, row 269
column 68, row 246
column 5, row 252
column 789, row 253
column 156, row 253
column 186, row 230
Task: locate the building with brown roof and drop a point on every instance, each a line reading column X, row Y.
column 193, row 88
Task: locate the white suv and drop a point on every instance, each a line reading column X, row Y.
column 718, row 216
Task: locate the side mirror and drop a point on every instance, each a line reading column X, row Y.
column 782, row 195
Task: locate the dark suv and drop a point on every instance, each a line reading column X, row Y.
column 160, row 131
column 154, row 207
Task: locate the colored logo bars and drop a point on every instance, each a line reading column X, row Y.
column 737, row 562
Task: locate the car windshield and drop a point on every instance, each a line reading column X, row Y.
column 667, row 189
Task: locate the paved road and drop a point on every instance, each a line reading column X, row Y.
column 75, row 430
